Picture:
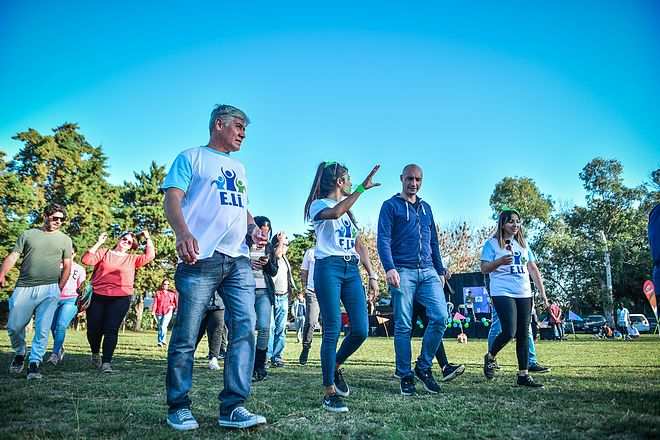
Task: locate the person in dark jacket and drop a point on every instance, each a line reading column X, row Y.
column 264, row 268
column 409, row 250
column 213, row 324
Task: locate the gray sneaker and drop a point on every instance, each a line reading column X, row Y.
column 182, row 420
column 16, row 366
column 96, row 360
column 34, row 371
column 240, row 418
column 106, row 367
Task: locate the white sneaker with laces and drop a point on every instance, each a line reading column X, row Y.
column 240, row 418
column 213, row 364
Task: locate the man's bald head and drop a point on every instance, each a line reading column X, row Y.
column 411, row 181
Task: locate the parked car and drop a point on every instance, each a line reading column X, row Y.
column 593, row 323
column 640, row 322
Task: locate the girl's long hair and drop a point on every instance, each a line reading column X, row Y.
column 504, row 218
column 325, row 182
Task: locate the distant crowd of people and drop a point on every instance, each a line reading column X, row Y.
column 234, row 282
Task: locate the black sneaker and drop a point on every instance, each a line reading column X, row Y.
column 527, row 381
column 396, row 374
column 16, row 366
column 340, row 384
column 304, row 354
column 222, row 355
column 497, row 366
column 259, row 374
column 489, row 367
column 452, row 371
column 408, row 386
column 277, row 363
column 334, row 404
column 426, row 377
column 538, row 368
column 34, row 371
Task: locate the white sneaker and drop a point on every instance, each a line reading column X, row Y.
column 53, row 359
column 213, row 364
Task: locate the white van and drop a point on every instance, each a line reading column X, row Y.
column 640, row 322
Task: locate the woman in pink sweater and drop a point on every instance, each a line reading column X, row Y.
column 112, row 283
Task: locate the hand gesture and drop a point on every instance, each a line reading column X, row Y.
column 368, row 183
column 259, row 238
column 145, row 234
column 505, row 260
column 259, row 263
column 102, row 238
column 187, row 247
column 393, row 278
column 373, row 289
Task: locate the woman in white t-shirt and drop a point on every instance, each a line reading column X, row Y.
column 510, row 263
column 336, row 274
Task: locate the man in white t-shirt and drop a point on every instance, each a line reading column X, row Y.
column 312, row 310
column 206, row 205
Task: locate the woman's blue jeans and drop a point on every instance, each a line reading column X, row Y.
column 264, row 308
column 66, row 310
column 337, row 279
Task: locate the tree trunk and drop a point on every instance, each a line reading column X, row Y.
column 139, row 311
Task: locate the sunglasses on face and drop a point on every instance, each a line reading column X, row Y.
column 127, row 240
column 57, row 218
column 507, row 245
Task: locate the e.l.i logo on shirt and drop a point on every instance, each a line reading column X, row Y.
column 346, row 235
column 519, row 263
column 230, row 188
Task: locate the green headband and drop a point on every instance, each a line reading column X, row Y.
column 509, row 209
column 329, row 162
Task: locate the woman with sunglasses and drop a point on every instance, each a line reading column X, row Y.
column 510, row 264
column 112, row 284
column 336, row 275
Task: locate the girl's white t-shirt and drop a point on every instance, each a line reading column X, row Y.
column 513, row 279
column 333, row 237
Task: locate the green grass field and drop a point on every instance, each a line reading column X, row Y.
column 597, row 389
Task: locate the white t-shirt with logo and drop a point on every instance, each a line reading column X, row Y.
column 333, row 237
column 215, row 203
column 308, row 265
column 509, row 280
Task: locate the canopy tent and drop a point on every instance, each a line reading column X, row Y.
column 574, row 317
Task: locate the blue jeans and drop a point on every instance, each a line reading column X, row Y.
column 196, row 283
column 163, row 322
column 263, row 308
column 277, row 339
column 336, row 279
column 300, row 325
column 66, row 310
column 496, row 329
column 425, row 287
column 25, row 301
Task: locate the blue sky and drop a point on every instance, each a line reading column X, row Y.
column 471, row 93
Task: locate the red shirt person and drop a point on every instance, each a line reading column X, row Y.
column 165, row 303
column 112, row 285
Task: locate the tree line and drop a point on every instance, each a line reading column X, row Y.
column 63, row 167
